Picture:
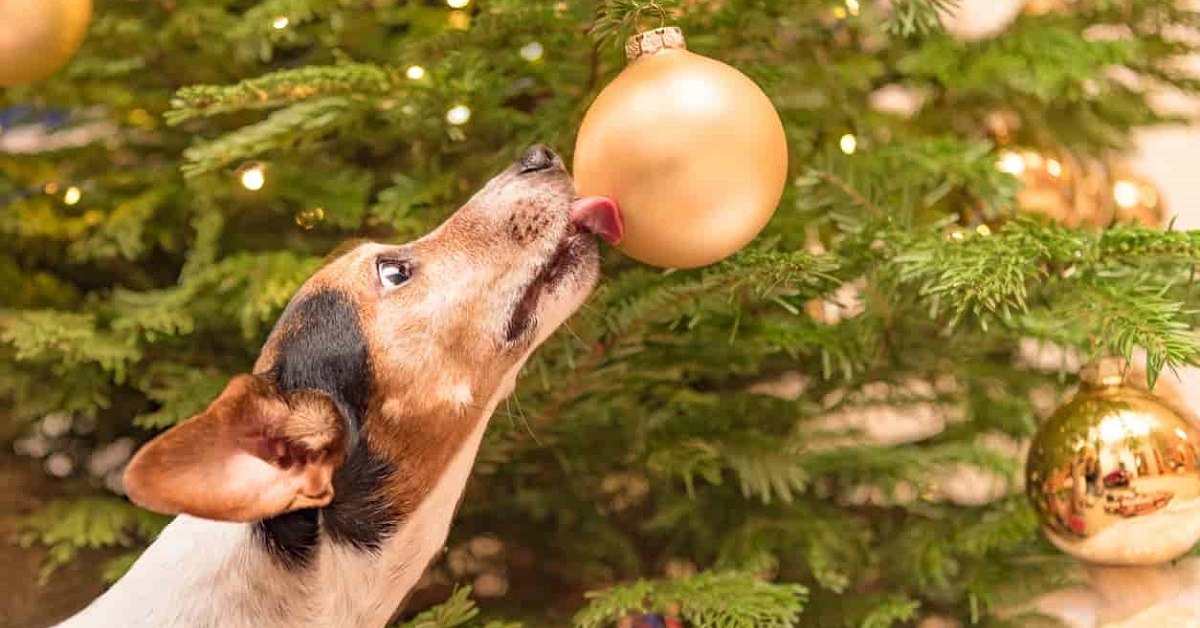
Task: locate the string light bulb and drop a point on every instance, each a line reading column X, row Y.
column 457, row 4
column 1126, row 193
column 458, row 115
column 72, row 195
column 415, row 72
column 1054, row 167
column 280, row 23
column 1011, row 162
column 253, row 177
column 848, row 144
column 532, row 51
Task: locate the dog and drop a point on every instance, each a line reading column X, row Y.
column 315, row 490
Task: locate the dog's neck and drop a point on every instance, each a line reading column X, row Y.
column 207, row 573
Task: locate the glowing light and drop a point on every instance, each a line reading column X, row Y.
column 280, row 23
column 532, row 51
column 458, row 115
column 1126, row 193
column 1054, row 167
column 852, row 6
column 72, row 195
column 415, row 72
column 457, row 4
column 51, row 188
column 839, row 13
column 848, row 144
column 1180, row 433
column 1123, row 425
column 983, row 230
column 254, row 178
column 957, row 236
column 1012, row 163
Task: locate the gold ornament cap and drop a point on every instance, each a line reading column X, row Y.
column 1104, row 372
column 654, row 41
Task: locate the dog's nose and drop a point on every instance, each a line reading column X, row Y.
column 538, row 157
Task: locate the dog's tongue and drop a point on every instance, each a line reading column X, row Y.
column 601, row 216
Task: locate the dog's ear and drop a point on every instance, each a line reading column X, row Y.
column 253, row 453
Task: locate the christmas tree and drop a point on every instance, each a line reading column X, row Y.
column 780, row 439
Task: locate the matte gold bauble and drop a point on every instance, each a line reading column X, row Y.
column 38, row 37
column 1114, row 474
column 691, row 150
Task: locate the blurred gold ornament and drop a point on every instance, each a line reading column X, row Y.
column 1041, row 7
column 38, row 37
column 1114, row 474
column 691, row 150
column 1079, row 193
column 980, row 19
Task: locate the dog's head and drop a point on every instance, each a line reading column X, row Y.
column 385, row 360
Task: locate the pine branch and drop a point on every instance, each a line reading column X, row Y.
column 707, row 600
column 65, row 528
column 281, row 88
column 286, row 128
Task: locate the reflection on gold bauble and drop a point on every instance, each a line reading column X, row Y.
column 38, row 37
column 1114, row 474
column 691, row 150
column 1083, row 193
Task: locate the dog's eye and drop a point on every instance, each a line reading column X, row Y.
column 393, row 273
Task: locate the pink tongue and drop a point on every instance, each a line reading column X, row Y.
column 601, row 216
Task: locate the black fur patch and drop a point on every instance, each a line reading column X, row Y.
column 327, row 351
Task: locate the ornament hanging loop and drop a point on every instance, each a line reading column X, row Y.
column 654, row 6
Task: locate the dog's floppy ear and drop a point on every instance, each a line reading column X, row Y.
column 253, row 453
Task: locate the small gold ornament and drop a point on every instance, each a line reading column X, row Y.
column 1082, row 193
column 38, row 37
column 691, row 150
column 1114, row 474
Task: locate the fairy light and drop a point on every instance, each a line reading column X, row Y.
column 415, row 72
column 253, row 178
column 458, row 115
column 532, row 51
column 72, row 195
column 1126, row 193
column 983, row 230
column 280, row 23
column 1012, row 163
column 839, row 13
column 457, row 4
column 852, row 6
column 848, row 144
column 1054, row 167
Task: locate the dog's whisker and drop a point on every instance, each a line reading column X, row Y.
column 524, row 419
column 571, row 331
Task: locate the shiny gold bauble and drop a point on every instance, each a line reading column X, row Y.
column 1114, row 474
column 38, row 37
column 691, row 150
